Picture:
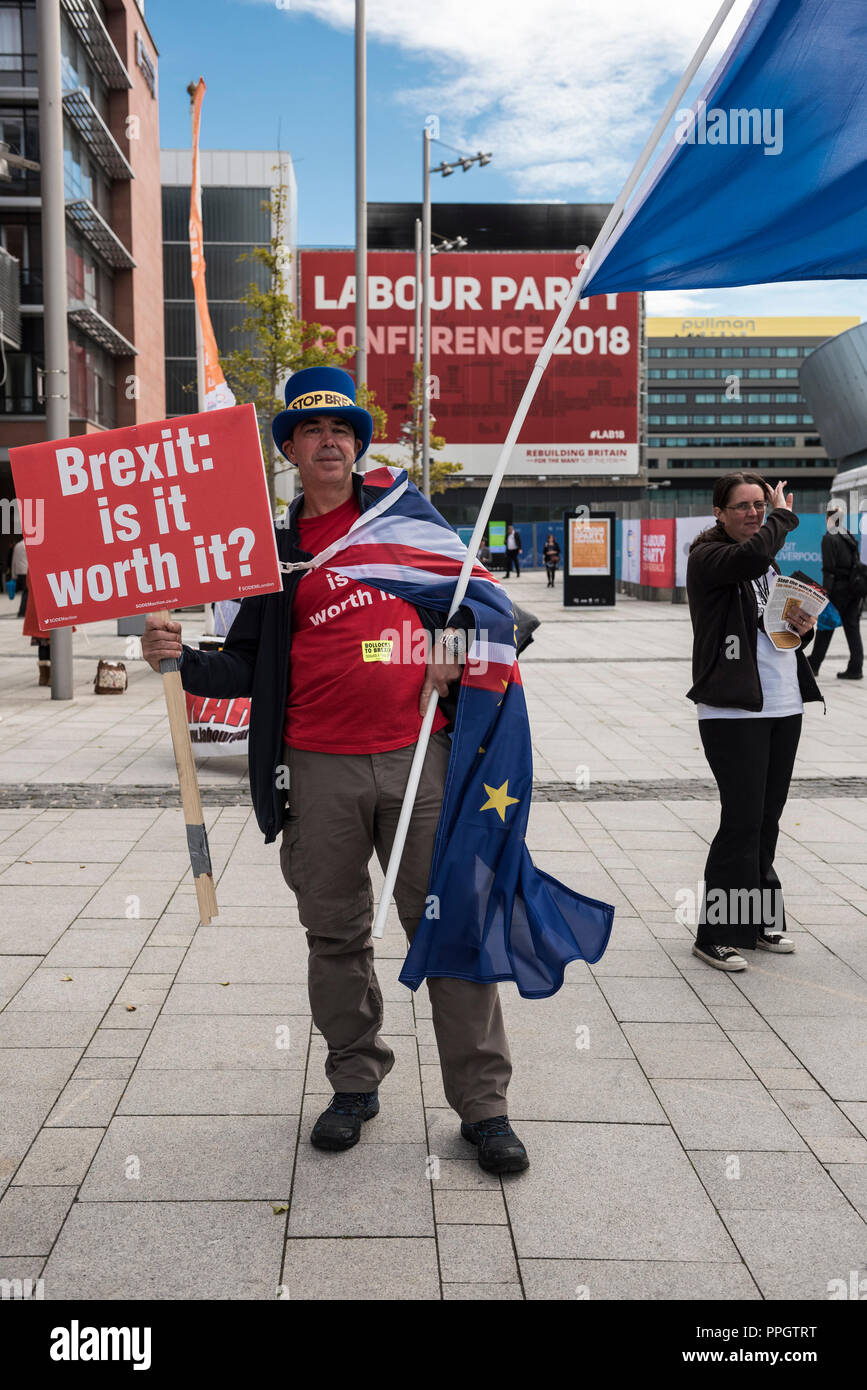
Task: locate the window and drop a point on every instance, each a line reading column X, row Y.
column 667, row 398
column 785, row 397
column 758, row 372
column 654, row 374
column 228, row 277
column 678, row 352
column 758, row 419
column 786, row 419
column 677, row 374
column 21, row 235
column 19, row 129
column 787, row 352
column 18, row 64
column 706, row 397
column 759, row 397
column 731, row 352
column 759, row 352
column 703, row 420
column 91, row 382
column 781, row 372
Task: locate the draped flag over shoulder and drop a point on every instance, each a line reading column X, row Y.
column 766, row 179
column 500, row 918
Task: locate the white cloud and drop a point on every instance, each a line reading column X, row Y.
column 564, row 92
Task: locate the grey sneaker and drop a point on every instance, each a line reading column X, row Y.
column 720, row 957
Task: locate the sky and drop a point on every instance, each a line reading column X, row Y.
column 563, row 93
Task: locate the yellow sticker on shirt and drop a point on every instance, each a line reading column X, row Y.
column 377, row 651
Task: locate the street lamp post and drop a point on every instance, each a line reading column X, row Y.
column 466, row 162
column 360, row 194
column 54, row 278
column 425, row 332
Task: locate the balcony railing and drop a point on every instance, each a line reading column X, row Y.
column 96, row 134
column 100, row 330
column 87, row 23
column 10, row 300
column 94, row 228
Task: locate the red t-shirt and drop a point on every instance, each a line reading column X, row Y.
column 357, row 660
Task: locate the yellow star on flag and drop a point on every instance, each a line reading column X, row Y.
column 499, row 799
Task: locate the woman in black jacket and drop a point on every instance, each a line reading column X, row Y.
column 750, row 698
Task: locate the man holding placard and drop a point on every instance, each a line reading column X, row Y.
column 337, row 702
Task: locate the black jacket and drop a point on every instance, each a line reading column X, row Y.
column 255, row 662
column 722, row 606
column 839, row 553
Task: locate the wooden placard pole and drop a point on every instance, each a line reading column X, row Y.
column 191, row 800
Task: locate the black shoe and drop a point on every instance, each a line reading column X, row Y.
column 500, row 1149
column 339, row 1127
column 720, row 957
column 850, row 675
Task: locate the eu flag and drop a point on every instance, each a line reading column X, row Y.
column 500, row 918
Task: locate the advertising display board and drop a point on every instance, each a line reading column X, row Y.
column 657, row 552
column 490, row 315
column 588, row 562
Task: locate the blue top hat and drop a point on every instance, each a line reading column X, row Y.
column 321, row 391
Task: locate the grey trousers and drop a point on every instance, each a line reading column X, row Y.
column 343, row 807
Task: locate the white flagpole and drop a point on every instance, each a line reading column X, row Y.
column 515, row 429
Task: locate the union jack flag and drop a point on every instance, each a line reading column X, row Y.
column 500, row 918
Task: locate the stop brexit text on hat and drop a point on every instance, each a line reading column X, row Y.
column 151, row 517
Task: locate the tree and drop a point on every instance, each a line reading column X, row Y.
column 442, row 471
column 283, row 342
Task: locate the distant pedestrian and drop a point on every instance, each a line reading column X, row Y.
column 513, row 551
column 839, row 563
column 18, row 572
column 750, row 697
column 551, row 557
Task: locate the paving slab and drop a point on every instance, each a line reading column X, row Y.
column 30, row 1218
column 652, row 1280
column 167, row 1250
column 370, row 1190
column 455, row 1293
column 732, row 1114
column 193, row 1158
column 755, row 1180
column 207, row 1092
column 644, row 1200
column 227, row 1042
column 476, row 1254
column 831, row 1049
column 790, row 1254
column 685, row 1050
column 58, row 1158
column 361, row 1270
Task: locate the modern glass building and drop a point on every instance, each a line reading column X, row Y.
column 724, row 394
column 235, row 185
column 114, row 252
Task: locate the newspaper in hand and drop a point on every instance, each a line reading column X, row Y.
column 787, row 596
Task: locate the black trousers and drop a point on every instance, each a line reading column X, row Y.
column 552, row 571
column 752, row 761
column 21, row 589
column 851, row 615
column 510, row 556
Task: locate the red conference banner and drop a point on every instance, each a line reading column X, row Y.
column 162, row 515
column 657, row 553
column 491, row 312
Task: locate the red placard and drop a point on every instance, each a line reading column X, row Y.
column 657, row 553
column 156, row 516
column 491, row 312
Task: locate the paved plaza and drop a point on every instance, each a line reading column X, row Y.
column 692, row 1135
